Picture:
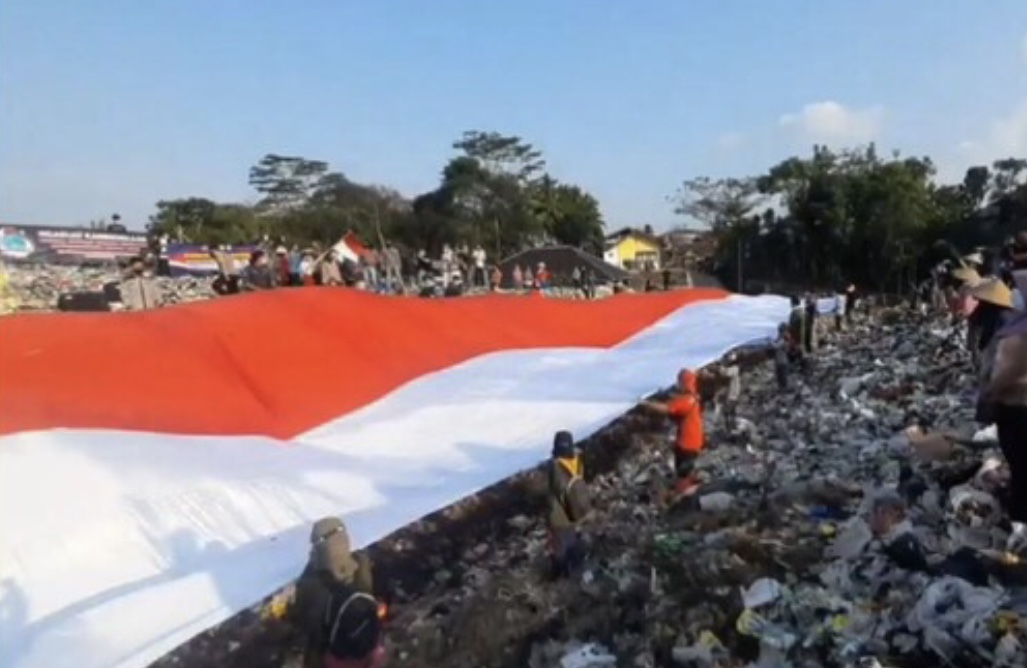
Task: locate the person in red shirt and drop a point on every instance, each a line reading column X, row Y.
column 685, row 408
column 542, row 277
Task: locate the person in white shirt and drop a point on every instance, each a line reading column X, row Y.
column 479, row 257
column 447, row 259
column 733, row 392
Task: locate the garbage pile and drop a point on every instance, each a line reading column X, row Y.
column 852, row 520
column 37, row 287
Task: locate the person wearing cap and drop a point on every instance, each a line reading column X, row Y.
column 685, row 409
column 282, row 266
column 569, row 505
column 330, row 561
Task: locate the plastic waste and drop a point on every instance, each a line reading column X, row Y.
column 588, row 656
column 762, row 592
column 716, row 502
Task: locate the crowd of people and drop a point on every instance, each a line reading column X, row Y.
column 270, row 266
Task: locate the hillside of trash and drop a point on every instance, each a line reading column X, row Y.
column 853, row 519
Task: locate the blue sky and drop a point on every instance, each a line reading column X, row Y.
column 110, row 105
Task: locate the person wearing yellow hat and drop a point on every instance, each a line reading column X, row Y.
column 994, row 303
column 1006, row 394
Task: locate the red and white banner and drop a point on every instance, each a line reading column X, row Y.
column 159, row 470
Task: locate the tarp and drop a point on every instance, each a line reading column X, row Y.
column 159, row 470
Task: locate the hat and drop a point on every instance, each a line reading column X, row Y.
column 281, row 250
column 563, row 444
column 974, row 258
column 993, row 291
column 325, row 527
column 967, row 275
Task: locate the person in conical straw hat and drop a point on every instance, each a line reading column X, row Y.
column 975, row 259
column 1006, row 394
column 994, row 302
column 966, row 276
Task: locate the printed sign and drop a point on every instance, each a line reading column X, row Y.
column 67, row 244
column 196, row 259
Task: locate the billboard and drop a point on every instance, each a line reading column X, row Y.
column 67, row 245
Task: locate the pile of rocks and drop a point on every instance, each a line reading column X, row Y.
column 850, row 521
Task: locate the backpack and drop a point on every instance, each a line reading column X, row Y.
column 575, row 499
column 352, row 627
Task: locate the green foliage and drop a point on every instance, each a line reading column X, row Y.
column 286, row 182
column 494, row 192
column 852, row 216
column 829, row 218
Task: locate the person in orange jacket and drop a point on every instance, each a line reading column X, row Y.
column 685, row 408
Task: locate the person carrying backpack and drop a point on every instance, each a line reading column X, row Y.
column 334, row 605
column 569, row 505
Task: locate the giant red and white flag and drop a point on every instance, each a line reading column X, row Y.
column 159, row 470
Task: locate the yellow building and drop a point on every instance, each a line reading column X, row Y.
column 632, row 250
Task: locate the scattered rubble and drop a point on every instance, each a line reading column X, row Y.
column 854, row 521
column 37, row 287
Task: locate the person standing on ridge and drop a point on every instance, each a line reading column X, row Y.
column 810, row 324
column 851, row 297
column 731, row 372
column 332, row 603
column 685, row 408
column 569, row 505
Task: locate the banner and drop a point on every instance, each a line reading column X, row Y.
column 67, row 245
column 195, row 259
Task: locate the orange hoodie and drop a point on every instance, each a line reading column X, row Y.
column 686, row 411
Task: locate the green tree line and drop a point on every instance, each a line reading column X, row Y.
column 827, row 219
column 852, row 216
column 495, row 191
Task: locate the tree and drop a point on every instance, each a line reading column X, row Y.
column 975, row 185
column 286, row 182
column 570, row 215
column 1006, row 176
column 502, row 154
column 202, row 221
column 716, row 203
column 848, row 216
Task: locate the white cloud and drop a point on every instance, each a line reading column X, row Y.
column 729, row 141
column 831, row 122
column 1005, row 137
